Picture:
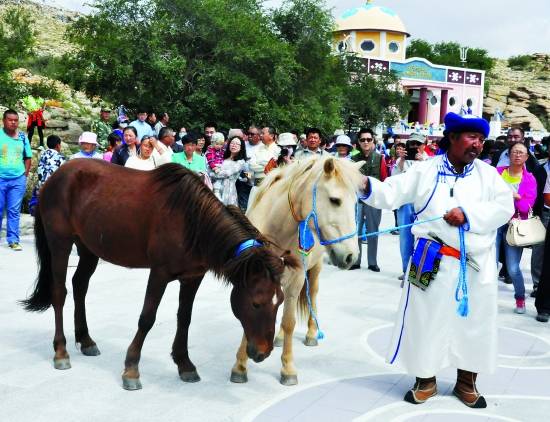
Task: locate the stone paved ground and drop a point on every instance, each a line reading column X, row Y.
column 344, row 378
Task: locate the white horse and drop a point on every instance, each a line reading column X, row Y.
column 328, row 187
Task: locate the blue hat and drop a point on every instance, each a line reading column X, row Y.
column 467, row 123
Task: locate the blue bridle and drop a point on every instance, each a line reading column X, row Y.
column 306, row 241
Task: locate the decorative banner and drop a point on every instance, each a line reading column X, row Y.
column 419, row 70
column 455, row 76
column 379, row 66
column 473, row 78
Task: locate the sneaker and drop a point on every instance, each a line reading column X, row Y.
column 15, row 247
column 520, row 306
column 543, row 317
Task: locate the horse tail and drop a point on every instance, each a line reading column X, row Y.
column 41, row 297
column 302, row 305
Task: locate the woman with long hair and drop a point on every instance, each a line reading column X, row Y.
column 234, row 162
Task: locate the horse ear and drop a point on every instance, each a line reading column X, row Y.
column 329, row 166
column 359, row 164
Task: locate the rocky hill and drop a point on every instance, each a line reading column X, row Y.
column 51, row 23
column 522, row 95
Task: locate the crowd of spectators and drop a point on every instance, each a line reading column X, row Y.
column 235, row 161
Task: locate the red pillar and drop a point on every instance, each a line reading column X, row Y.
column 423, row 106
column 444, row 104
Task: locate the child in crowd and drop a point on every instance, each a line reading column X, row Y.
column 214, row 153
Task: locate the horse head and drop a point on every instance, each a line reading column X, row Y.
column 257, row 294
column 330, row 193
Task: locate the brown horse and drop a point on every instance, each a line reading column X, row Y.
column 166, row 220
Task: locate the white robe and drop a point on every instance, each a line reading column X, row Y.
column 429, row 335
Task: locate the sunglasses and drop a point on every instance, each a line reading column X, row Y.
column 366, row 139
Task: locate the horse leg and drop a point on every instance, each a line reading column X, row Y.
column 239, row 371
column 289, row 374
column 60, row 251
column 313, row 276
column 279, row 338
column 86, row 267
column 180, row 353
column 156, row 287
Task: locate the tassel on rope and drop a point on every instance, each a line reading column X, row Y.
column 461, row 294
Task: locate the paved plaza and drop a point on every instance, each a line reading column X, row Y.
column 343, row 379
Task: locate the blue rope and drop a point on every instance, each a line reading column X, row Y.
column 404, row 226
column 320, row 334
column 462, row 286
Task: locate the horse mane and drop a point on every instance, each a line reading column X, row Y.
column 344, row 171
column 216, row 230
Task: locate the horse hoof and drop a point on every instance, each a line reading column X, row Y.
column 238, row 377
column 190, row 376
column 64, row 363
column 278, row 342
column 311, row 341
column 131, row 384
column 289, row 380
column 90, row 351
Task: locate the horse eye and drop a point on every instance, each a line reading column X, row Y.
column 256, row 305
column 335, row 201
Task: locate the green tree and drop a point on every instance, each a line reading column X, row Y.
column 17, row 40
column 448, row 54
column 201, row 59
column 320, row 78
column 372, row 99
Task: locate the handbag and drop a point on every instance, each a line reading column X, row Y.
column 527, row 232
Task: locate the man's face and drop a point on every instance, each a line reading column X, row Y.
column 466, row 147
column 168, row 139
column 209, row 131
column 142, row 116
column 253, row 136
column 366, row 143
column 11, row 122
column 87, row 147
column 166, row 118
column 105, row 115
column 514, row 136
column 152, row 118
column 267, row 138
column 313, row 141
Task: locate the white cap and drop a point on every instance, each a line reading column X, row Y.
column 88, row 138
column 286, row 139
column 343, row 140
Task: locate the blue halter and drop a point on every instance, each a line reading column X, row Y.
column 247, row 244
column 306, row 241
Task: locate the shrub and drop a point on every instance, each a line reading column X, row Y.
column 519, row 62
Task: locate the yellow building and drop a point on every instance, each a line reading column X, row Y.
column 377, row 35
column 371, row 31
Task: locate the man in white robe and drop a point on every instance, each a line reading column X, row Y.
column 430, row 334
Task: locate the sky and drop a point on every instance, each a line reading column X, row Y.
column 503, row 27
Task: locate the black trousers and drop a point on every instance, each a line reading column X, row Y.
column 40, row 133
column 542, row 302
